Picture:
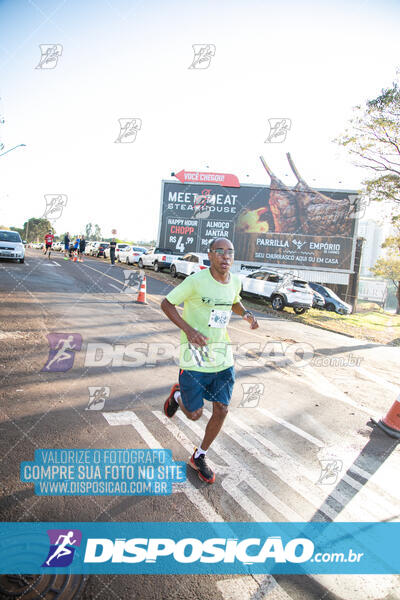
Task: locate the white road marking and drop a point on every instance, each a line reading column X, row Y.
column 323, row 386
column 56, row 263
column 378, row 379
column 194, row 495
column 294, row 471
column 297, row 430
column 243, row 475
column 283, row 467
column 256, row 587
column 115, row 287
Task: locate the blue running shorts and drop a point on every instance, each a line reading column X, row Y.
column 196, row 386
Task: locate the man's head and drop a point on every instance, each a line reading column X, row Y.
column 49, row 231
column 221, row 255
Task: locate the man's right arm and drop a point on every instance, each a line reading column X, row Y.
column 194, row 337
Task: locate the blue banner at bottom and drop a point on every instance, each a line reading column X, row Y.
column 200, row 548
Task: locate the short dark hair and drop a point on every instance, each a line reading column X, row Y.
column 214, row 240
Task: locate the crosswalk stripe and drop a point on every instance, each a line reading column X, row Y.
column 377, row 379
column 256, row 587
column 245, row 476
column 323, row 386
column 297, row 430
column 130, row 418
column 282, row 469
column 294, row 471
column 267, row 586
column 256, row 513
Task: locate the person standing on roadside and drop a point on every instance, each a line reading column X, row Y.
column 206, row 360
column 67, row 242
column 82, row 246
column 113, row 245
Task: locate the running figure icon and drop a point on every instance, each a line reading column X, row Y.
column 62, row 549
column 62, row 354
column 62, row 351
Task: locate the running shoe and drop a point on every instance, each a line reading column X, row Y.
column 171, row 405
column 200, row 465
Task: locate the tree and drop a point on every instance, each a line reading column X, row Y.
column 88, row 231
column 35, row 229
column 97, row 235
column 373, row 140
column 389, row 267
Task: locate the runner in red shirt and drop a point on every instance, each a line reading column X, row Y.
column 48, row 242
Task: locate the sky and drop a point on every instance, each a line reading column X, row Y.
column 309, row 62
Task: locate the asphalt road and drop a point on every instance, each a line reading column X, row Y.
column 304, row 409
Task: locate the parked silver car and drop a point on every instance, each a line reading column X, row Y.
column 11, row 246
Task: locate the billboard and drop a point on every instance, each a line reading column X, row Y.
column 277, row 225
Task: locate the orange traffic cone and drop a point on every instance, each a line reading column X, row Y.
column 391, row 423
column 75, row 258
column 141, row 299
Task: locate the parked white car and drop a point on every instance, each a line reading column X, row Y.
column 159, row 259
column 118, row 249
column 88, row 248
column 131, row 255
column 58, row 246
column 11, row 246
column 189, row 263
column 281, row 289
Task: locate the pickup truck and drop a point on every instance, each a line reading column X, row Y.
column 159, row 259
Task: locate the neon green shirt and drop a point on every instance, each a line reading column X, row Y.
column 207, row 308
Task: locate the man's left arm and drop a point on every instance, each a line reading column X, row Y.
column 247, row 315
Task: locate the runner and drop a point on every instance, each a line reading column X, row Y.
column 82, row 246
column 66, row 246
column 76, row 247
column 206, row 358
column 48, row 242
column 113, row 245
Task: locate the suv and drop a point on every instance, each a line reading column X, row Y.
column 11, row 245
column 99, row 250
column 118, row 249
column 279, row 289
column 332, row 302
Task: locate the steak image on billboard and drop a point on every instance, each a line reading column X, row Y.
column 275, row 224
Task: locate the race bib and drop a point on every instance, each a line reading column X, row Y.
column 219, row 318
